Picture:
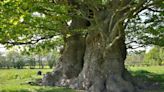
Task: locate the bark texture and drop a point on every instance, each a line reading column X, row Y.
column 93, row 65
column 103, row 70
column 70, row 63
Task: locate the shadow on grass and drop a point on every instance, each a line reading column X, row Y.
column 148, row 76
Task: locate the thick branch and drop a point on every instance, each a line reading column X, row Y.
column 131, row 42
column 32, row 41
column 155, row 10
column 136, row 47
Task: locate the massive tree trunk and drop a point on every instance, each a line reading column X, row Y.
column 104, row 69
column 70, row 63
column 96, row 63
column 96, row 67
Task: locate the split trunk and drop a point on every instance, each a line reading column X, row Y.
column 95, row 62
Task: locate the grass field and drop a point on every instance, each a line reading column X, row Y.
column 14, row 80
column 152, row 74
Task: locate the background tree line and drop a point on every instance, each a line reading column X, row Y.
column 20, row 60
column 154, row 57
column 14, row 59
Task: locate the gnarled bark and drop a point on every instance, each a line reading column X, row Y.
column 104, row 69
column 102, row 52
column 70, row 63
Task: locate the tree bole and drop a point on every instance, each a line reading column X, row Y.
column 103, row 69
column 101, row 55
column 70, row 63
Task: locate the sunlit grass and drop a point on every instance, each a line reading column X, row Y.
column 151, row 73
column 152, row 69
column 15, row 80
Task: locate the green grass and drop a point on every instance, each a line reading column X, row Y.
column 14, row 80
column 151, row 74
column 152, row 69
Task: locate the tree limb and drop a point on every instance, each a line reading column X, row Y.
column 32, row 41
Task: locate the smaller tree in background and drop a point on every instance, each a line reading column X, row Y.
column 51, row 63
column 154, row 56
column 135, row 58
column 4, row 63
column 20, row 63
column 31, row 63
column 11, row 58
column 52, row 58
column 161, row 54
